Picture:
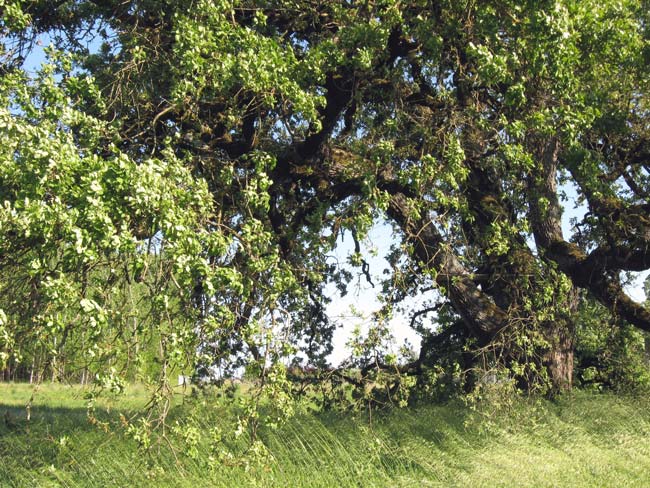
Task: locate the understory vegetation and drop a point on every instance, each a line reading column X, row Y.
column 583, row 439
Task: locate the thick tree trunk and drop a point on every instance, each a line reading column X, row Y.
column 559, row 357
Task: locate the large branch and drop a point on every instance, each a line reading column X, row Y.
column 615, row 258
column 340, row 174
column 477, row 310
column 593, row 272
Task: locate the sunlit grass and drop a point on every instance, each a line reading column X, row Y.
column 69, row 396
column 581, row 440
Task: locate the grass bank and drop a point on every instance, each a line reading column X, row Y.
column 583, row 439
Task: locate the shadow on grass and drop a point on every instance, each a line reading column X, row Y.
column 55, row 419
column 59, row 446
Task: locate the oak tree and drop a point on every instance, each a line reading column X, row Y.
column 463, row 123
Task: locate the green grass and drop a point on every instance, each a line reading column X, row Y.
column 584, row 439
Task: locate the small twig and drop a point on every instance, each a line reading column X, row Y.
column 365, row 267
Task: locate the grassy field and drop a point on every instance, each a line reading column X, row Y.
column 581, row 440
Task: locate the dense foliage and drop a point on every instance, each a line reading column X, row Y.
column 176, row 173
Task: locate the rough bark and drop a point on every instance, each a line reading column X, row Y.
column 477, row 310
column 597, row 271
column 559, row 357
